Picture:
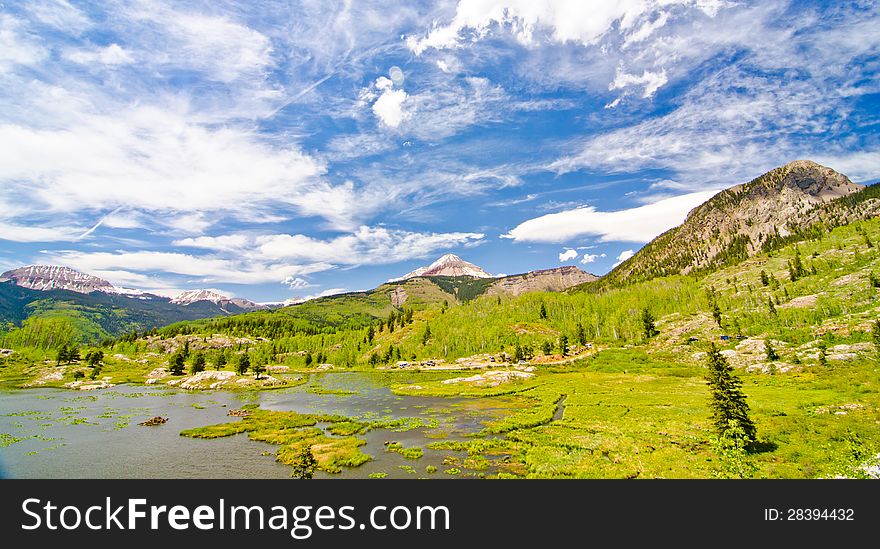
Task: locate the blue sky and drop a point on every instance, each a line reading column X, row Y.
column 282, row 149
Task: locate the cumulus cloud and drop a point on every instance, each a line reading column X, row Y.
column 640, row 224
column 389, row 109
column 113, row 54
column 567, row 255
column 563, row 20
column 624, row 255
column 590, row 258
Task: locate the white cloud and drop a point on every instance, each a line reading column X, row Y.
column 113, row 54
column 59, row 14
column 652, row 81
column 297, row 283
column 24, row 233
column 366, row 246
column 204, row 269
column 221, row 48
column 567, row 255
column 16, row 47
column 564, row 20
column 640, row 224
column 624, row 255
column 157, row 160
column 589, row 258
column 389, row 109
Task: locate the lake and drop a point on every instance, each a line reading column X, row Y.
column 56, row 433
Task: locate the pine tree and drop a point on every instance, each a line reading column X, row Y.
column 176, row 365
column 198, row 363
column 771, row 306
column 650, row 330
column 730, row 411
column 716, row 313
column 259, row 368
column 244, row 364
column 72, row 354
column 546, row 347
column 305, row 465
column 875, row 335
column 370, row 334
column 770, row 351
column 542, row 312
column 220, row 361
column 309, row 359
column 796, row 268
column 61, row 355
column 580, row 334
column 427, row 335
column 563, row 344
column 765, row 280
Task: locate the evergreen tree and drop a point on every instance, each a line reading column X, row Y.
column 72, row 354
column 771, row 306
column 198, row 363
column 580, row 334
column 716, row 313
column 650, row 330
column 770, row 351
column 542, row 312
column 259, row 368
column 370, row 334
column 546, row 348
column 765, row 280
column 875, row 334
column 730, row 411
column 220, row 360
column 61, row 355
column 305, row 465
column 823, row 354
column 176, row 365
column 309, row 359
column 243, row 365
column 563, row 344
column 796, row 268
column 94, row 357
column 427, row 335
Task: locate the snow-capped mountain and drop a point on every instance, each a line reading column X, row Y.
column 448, row 265
column 214, row 296
column 53, row 277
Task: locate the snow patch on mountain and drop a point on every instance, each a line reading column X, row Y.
column 447, row 265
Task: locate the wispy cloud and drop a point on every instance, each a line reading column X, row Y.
column 639, row 224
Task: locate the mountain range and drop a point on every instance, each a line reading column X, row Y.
column 788, row 203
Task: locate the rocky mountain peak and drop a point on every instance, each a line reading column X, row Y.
column 447, row 265
column 54, row 277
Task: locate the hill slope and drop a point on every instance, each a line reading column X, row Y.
column 780, row 206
